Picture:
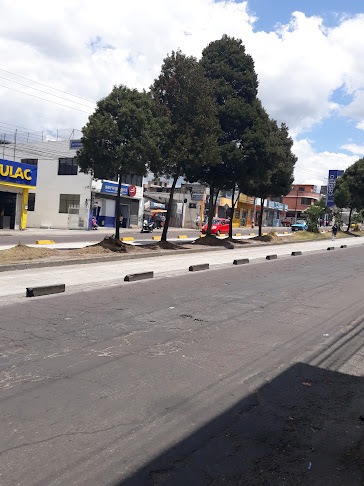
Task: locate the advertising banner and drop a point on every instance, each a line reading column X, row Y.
column 333, row 175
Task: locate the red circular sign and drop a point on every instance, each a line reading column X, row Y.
column 132, row 191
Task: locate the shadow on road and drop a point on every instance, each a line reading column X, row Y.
column 302, row 428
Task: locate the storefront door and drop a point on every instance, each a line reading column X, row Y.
column 7, row 210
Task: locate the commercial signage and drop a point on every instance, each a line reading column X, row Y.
column 112, row 188
column 196, row 197
column 18, row 174
column 132, row 191
column 157, row 205
column 75, row 144
column 333, row 175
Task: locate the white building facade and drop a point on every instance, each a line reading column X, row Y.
column 65, row 197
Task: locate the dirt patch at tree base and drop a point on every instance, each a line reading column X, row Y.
column 213, row 241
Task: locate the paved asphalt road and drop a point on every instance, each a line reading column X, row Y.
column 242, row 376
column 67, row 236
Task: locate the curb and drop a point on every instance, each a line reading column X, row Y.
column 45, row 290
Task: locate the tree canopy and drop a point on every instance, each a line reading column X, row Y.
column 182, row 95
column 121, row 137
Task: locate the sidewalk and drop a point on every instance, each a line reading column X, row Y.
column 89, row 276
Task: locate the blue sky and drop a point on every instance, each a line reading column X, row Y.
column 56, row 63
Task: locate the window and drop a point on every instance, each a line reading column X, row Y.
column 302, row 189
column 132, row 180
column 31, row 201
column 67, row 200
column 306, row 201
column 29, row 161
column 192, row 205
column 67, row 166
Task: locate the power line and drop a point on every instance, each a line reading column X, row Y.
column 47, row 86
column 44, row 99
column 46, row 92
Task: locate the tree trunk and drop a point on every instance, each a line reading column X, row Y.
column 348, row 229
column 117, row 212
column 261, row 215
column 169, row 209
column 233, row 204
column 211, row 210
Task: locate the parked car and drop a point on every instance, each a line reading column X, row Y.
column 286, row 222
column 299, row 225
column 218, row 226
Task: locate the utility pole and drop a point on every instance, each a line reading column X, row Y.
column 16, row 130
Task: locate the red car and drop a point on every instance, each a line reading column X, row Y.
column 286, row 222
column 218, row 226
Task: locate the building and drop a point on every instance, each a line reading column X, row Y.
column 62, row 196
column 301, row 197
column 16, row 179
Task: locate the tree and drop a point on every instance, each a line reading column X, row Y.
column 235, row 86
column 313, row 214
column 183, row 96
column 349, row 189
column 121, row 137
column 271, row 174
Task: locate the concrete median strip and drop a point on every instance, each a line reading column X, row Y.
column 45, row 242
column 241, row 261
column 296, row 253
column 138, row 276
column 201, row 266
column 271, row 257
column 45, row 290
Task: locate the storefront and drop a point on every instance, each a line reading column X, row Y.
column 104, row 204
column 15, row 181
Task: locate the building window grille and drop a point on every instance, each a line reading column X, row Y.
column 67, row 200
column 67, row 166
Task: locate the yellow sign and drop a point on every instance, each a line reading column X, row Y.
column 8, row 171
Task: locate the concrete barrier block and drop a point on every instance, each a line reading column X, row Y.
column 237, row 234
column 45, row 242
column 156, row 237
column 271, row 257
column 331, row 248
column 201, row 266
column 45, row 290
column 241, row 261
column 285, row 232
column 222, row 234
column 182, row 236
column 127, row 238
column 343, row 246
column 264, row 234
column 202, row 236
column 138, row 276
column 296, row 253
column 251, row 234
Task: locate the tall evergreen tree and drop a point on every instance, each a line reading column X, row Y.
column 235, row 85
column 121, row 137
column 183, row 95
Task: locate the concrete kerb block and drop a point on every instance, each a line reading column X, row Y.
column 343, row 246
column 197, row 268
column 127, row 238
column 182, row 236
column 156, row 237
column 45, row 290
column 331, row 248
column 133, row 277
column 296, row 253
column 271, row 257
column 251, row 234
column 237, row 234
column 241, row 261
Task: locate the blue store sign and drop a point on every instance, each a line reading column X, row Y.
column 112, row 188
column 18, row 174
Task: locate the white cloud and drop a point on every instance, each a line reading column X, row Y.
column 85, row 47
column 360, row 125
column 313, row 167
column 354, row 148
